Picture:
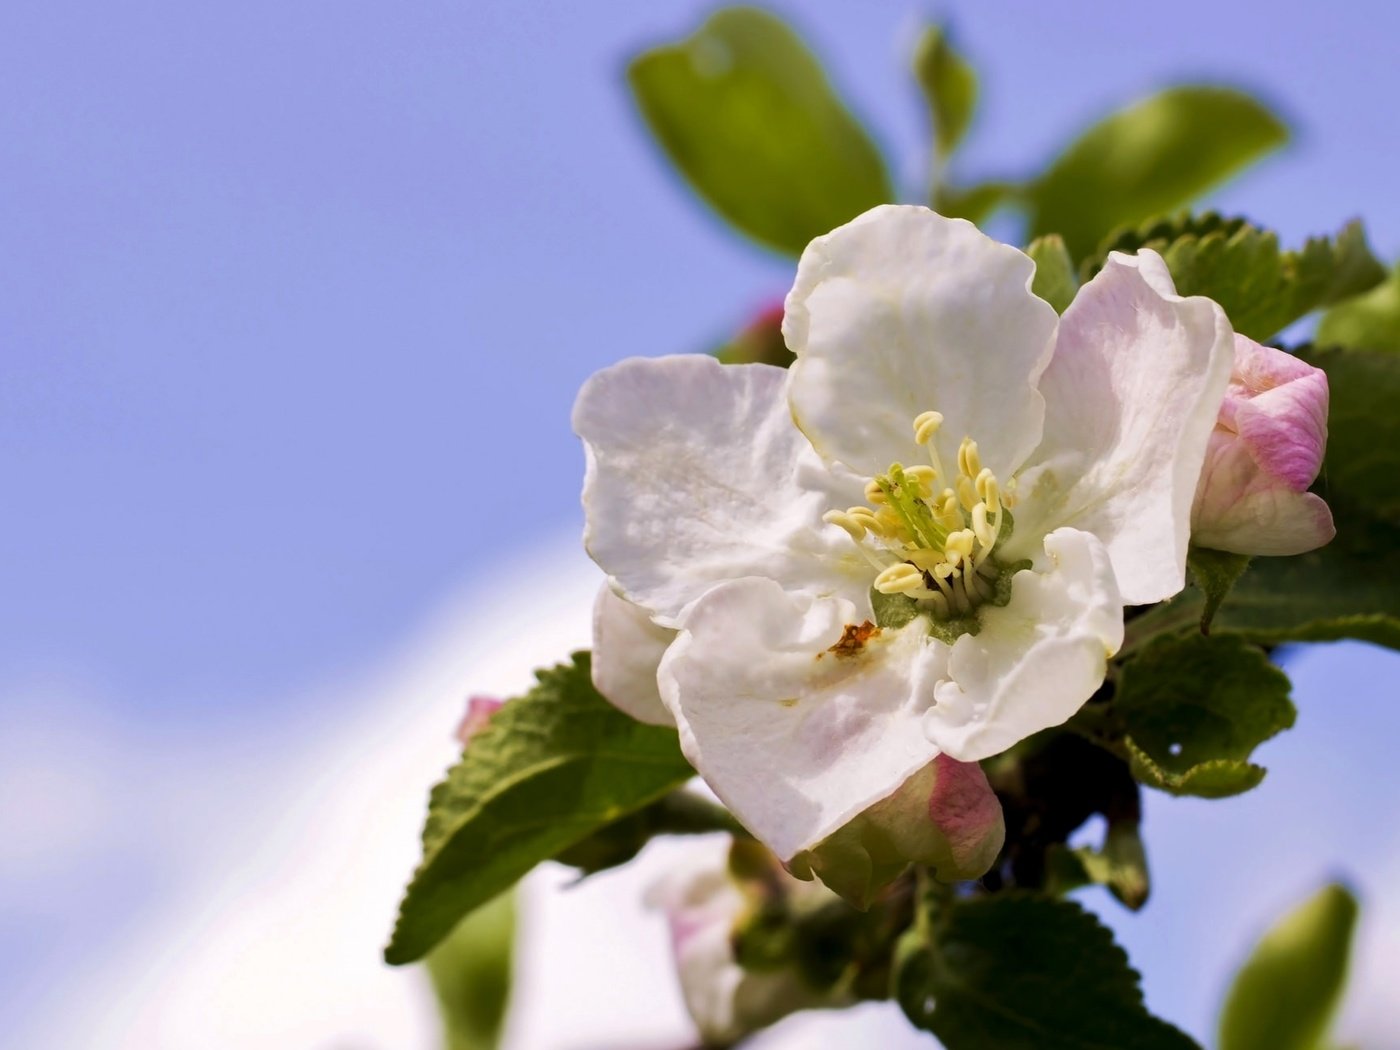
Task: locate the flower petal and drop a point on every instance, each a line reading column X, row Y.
column 1131, row 396
column 1035, row 660
column 627, row 648
column 795, row 737
column 696, row 475
column 902, row 311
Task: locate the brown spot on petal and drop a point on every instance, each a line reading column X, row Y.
column 853, row 640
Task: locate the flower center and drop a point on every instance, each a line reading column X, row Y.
column 931, row 533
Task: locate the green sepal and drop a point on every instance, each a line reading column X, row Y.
column 1215, row 573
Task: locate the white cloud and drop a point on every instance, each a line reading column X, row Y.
column 283, row 856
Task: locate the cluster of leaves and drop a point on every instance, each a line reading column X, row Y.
column 750, row 120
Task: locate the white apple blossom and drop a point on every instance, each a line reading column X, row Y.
column 835, row 545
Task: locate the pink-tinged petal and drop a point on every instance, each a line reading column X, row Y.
column 474, row 720
column 1266, row 449
column 1131, row 395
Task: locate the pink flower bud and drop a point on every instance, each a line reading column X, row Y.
column 945, row 817
column 1265, row 451
column 478, row 713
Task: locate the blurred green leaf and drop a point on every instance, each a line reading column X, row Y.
column 1261, row 288
column 1054, row 271
column 471, row 975
column 1021, row 972
column 1194, row 709
column 1363, row 428
column 949, row 85
column 973, row 203
column 1152, row 157
column 747, row 115
column 549, row 769
column 1120, row 865
column 1286, row 993
column 1370, row 322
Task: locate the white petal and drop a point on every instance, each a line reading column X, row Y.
column 797, row 740
column 697, row 475
column 627, row 648
column 1035, row 660
column 1131, row 397
column 902, row 311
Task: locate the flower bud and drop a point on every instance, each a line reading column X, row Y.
column 945, row 817
column 711, row 905
column 761, row 340
column 1265, row 451
column 474, row 720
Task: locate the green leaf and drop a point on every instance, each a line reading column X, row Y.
column 1261, row 288
column 1021, row 972
column 1370, row 322
column 548, row 770
column 1286, row 993
column 1194, row 709
column 973, row 203
column 1215, row 573
column 1363, row 428
column 679, row 813
column 745, row 112
column 1054, row 271
column 1152, row 157
column 471, row 976
column 949, row 85
column 1344, row 590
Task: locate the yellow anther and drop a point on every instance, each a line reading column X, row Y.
column 967, row 495
column 969, row 463
column 959, row 545
column 844, row 520
column 926, row 424
column 986, row 535
column 868, row 518
column 924, row 477
column 900, row 579
column 873, row 492
column 946, row 513
column 990, row 491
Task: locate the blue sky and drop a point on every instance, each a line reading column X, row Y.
column 296, row 298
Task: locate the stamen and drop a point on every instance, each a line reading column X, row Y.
column 873, row 493
column 900, row 579
column 969, row 462
column 926, row 424
column 845, row 520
